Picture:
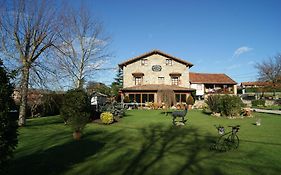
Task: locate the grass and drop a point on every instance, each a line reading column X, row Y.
column 144, row 142
column 273, row 107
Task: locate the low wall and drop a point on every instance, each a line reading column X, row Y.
column 267, row 102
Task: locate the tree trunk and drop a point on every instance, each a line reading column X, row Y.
column 79, row 84
column 23, row 92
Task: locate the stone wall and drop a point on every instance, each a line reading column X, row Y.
column 151, row 77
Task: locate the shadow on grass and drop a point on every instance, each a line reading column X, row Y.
column 163, row 150
column 259, row 142
column 57, row 159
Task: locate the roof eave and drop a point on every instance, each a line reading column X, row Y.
column 125, row 63
column 213, row 82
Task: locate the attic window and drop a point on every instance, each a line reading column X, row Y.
column 175, row 80
column 144, row 62
column 169, row 62
column 138, row 80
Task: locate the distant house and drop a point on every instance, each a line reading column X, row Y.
column 254, row 84
column 98, row 100
column 207, row 83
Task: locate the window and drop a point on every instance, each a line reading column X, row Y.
column 169, row 62
column 175, row 80
column 180, row 98
column 138, row 98
column 161, row 80
column 144, row 62
column 137, row 80
column 177, row 97
column 144, row 98
column 132, row 98
column 183, row 98
column 151, row 97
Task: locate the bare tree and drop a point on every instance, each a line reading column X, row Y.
column 28, row 29
column 270, row 71
column 83, row 50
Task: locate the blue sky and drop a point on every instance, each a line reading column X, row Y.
column 217, row 36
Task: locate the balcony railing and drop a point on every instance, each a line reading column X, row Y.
column 218, row 91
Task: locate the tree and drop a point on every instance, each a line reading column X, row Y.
column 270, row 71
column 28, row 29
column 93, row 86
column 8, row 124
column 83, row 50
column 76, row 110
column 118, row 83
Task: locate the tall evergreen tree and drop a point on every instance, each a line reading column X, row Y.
column 119, row 77
column 118, row 82
column 8, row 124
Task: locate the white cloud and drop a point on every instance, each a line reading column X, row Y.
column 251, row 63
column 234, row 66
column 241, row 50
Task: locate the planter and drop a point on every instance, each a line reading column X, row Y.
column 76, row 135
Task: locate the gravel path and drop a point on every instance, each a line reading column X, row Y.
column 266, row 111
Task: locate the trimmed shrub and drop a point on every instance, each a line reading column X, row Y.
column 206, row 110
column 190, row 100
column 76, row 109
column 118, row 98
column 213, row 101
column 230, row 105
column 106, row 118
column 126, row 99
column 226, row 105
column 8, row 123
column 116, row 109
column 260, row 102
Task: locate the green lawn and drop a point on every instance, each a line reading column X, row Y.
column 144, row 142
column 274, row 107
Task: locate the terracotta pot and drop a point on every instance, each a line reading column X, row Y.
column 76, row 135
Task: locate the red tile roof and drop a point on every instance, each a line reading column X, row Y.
column 152, row 53
column 207, row 78
column 255, row 83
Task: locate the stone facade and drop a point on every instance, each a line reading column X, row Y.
column 155, row 77
column 147, row 75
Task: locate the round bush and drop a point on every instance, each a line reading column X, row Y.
column 190, row 100
column 126, row 99
column 76, row 109
column 260, row 102
column 226, row 105
column 106, row 118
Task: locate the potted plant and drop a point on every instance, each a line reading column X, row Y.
column 189, row 101
column 76, row 108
